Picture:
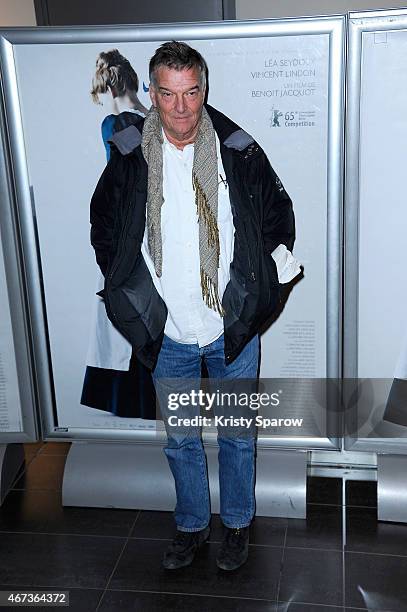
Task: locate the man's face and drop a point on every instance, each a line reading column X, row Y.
column 179, row 97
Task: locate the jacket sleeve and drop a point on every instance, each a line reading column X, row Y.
column 103, row 209
column 278, row 216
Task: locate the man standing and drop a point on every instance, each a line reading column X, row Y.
column 184, row 220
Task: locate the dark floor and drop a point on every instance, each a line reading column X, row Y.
column 109, row 560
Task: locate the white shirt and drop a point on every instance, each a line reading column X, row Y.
column 189, row 319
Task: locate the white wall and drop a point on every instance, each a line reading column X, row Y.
column 261, row 9
column 17, row 13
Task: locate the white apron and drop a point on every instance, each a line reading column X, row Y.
column 108, row 348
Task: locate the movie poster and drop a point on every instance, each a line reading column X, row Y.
column 275, row 87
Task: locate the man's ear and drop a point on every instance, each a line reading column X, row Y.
column 153, row 94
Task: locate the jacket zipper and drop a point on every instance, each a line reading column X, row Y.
column 252, row 275
column 250, row 151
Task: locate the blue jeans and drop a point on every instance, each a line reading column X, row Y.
column 185, row 452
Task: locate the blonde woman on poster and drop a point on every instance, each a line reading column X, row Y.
column 114, row 380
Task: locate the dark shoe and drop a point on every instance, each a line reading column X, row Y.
column 182, row 549
column 234, row 549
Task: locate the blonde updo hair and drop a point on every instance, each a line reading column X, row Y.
column 115, row 71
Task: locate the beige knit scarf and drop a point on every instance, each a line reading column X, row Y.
column 205, row 184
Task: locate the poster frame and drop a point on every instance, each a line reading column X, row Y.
column 334, row 26
column 10, row 252
column 359, row 23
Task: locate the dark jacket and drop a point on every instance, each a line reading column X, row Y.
column 262, row 216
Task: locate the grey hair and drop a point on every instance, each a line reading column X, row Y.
column 177, row 55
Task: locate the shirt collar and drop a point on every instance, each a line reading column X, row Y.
column 169, row 144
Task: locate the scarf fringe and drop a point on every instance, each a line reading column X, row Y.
column 210, row 295
column 206, row 214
